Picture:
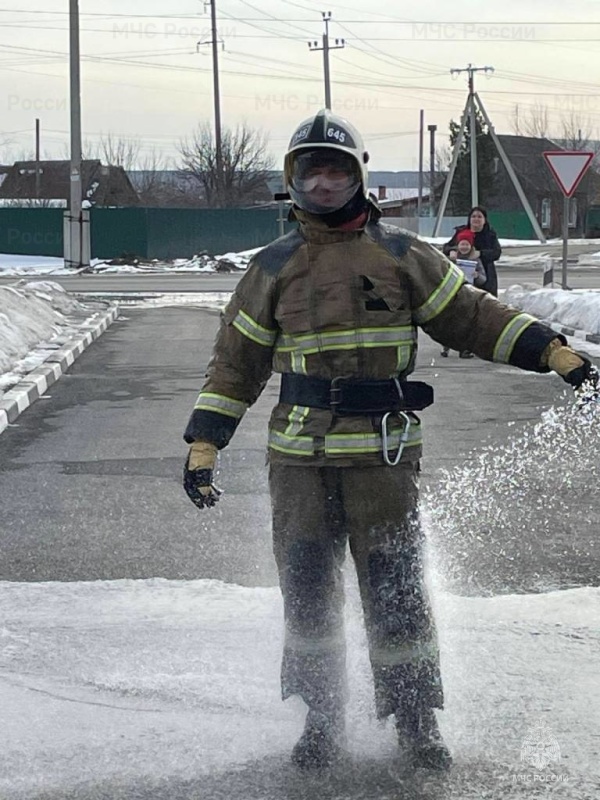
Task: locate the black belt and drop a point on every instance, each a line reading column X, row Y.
column 348, row 396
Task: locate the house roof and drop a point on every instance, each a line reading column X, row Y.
column 177, row 178
column 399, row 195
column 526, row 145
column 525, row 153
column 101, row 185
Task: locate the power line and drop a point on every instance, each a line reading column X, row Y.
column 385, row 18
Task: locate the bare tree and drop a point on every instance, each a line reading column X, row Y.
column 119, row 151
column 576, row 132
column 32, row 202
column 534, row 122
column 156, row 181
column 8, row 154
column 116, row 151
column 245, row 160
column 441, row 167
column 572, row 132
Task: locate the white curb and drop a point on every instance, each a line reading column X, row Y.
column 592, row 338
column 36, row 383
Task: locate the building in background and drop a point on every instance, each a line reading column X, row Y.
column 47, row 183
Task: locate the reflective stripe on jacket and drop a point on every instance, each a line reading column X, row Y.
column 329, row 303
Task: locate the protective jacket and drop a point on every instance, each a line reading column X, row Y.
column 331, row 303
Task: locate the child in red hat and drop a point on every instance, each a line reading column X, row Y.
column 465, row 251
column 467, row 258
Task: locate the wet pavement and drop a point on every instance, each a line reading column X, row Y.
column 90, row 482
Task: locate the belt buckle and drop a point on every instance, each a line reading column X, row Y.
column 335, row 391
column 400, row 393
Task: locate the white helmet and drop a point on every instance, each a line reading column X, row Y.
column 325, row 140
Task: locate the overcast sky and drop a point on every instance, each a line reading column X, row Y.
column 145, row 75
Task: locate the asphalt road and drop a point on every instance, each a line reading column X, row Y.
column 90, row 476
column 120, row 284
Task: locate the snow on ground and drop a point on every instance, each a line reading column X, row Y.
column 589, row 260
column 145, row 680
column 541, row 258
column 579, row 309
column 13, row 265
column 36, row 319
column 441, row 240
column 19, row 266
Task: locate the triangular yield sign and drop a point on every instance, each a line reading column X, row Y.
column 568, row 167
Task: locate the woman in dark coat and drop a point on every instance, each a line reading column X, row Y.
column 486, row 242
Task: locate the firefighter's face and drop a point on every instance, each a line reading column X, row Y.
column 323, row 180
column 327, row 186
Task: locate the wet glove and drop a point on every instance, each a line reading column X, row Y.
column 198, row 475
column 573, row 368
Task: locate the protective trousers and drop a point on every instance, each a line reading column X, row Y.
column 316, row 511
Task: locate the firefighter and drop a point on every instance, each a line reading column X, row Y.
column 334, row 307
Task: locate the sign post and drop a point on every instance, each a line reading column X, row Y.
column 565, row 243
column 568, row 168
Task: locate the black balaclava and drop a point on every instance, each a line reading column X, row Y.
column 356, row 206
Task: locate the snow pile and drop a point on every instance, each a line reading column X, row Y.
column 589, row 260
column 224, row 263
column 579, row 309
column 39, row 315
column 20, row 266
column 203, row 262
column 13, row 266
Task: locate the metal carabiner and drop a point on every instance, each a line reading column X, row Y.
column 403, row 437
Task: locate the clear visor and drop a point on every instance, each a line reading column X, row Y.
column 323, row 180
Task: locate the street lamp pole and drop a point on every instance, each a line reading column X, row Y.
column 74, row 246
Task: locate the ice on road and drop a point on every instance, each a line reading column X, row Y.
column 142, row 681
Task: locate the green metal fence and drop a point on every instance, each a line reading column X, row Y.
column 511, row 224
column 31, row 231
column 182, row 232
column 117, row 232
column 144, row 232
column 165, row 233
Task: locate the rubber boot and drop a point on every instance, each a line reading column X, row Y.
column 320, row 745
column 420, row 739
column 445, row 352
